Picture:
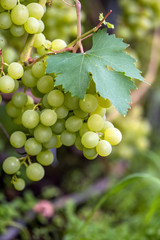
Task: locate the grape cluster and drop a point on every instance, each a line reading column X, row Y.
column 20, row 18
column 138, row 18
column 58, row 119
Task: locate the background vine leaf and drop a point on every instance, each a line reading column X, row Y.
column 111, row 69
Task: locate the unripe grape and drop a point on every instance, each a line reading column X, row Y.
column 39, row 40
column 19, row 14
column 45, row 84
column 59, row 126
column 73, row 124
column 112, row 135
column 12, row 110
column 89, row 103
column 42, row 133
column 19, row 184
column 35, row 10
column 45, row 158
column 48, row 117
column 35, row 172
column 58, row 44
column 19, row 99
column 38, row 69
column 17, row 31
column 28, row 79
column 55, row 98
column 51, row 143
column 62, row 112
column 18, row 139
column 32, row 147
column 71, row 102
column 7, row 84
column 5, row 20
column 15, row 70
column 30, row 119
column 68, row 138
column 90, row 153
column 11, row 165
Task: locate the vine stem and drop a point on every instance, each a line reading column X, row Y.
column 26, row 53
column 78, row 10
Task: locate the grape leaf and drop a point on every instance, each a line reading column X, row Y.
column 111, row 69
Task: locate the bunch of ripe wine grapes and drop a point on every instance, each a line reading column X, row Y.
column 138, row 18
column 58, row 118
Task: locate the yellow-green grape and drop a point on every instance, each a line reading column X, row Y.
column 103, row 148
column 100, row 111
column 19, row 14
column 107, row 124
column 32, row 147
column 90, row 139
column 19, row 184
column 39, row 40
column 35, row 172
column 45, row 158
column 95, row 123
column 7, row 84
column 55, row 98
column 83, row 129
column 42, row 133
column 5, row 20
column 18, row 139
column 15, row 70
column 35, row 10
column 8, row 4
column 30, row 119
column 105, row 103
column 59, row 142
column 58, row 44
column 11, row 165
column 31, row 25
column 48, row 117
column 90, row 153
column 88, row 104
column 112, row 135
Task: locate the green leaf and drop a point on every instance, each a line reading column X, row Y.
column 111, row 69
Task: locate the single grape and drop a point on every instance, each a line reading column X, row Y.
column 59, row 142
column 59, row 126
column 68, row 138
column 11, row 165
column 15, row 70
column 19, row 99
column 103, row 148
column 90, row 139
column 41, row 26
column 9, row 55
column 12, row 110
column 95, row 123
column 39, row 40
column 30, row 100
column 18, row 139
column 28, row 79
column 32, row 147
column 45, row 158
column 31, row 25
column 71, row 102
column 42, row 133
column 7, row 84
column 8, row 4
column 5, row 20
column 107, row 124
column 45, row 84
column 112, row 135
column 19, row 184
column 35, row 10
column 58, row 44
column 51, row 143
column 30, row 119
column 90, row 153
column 73, row 124
column 48, row 117
column 62, row 112
column 83, row 129
column 35, row 172
column 100, row 111
column 17, row 31
column 55, row 98
column 78, row 143
column 19, row 14
column 79, row 113
column 89, row 103
column 38, row 69
column 45, row 102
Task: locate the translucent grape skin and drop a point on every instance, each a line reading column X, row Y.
column 8, row 4
column 31, row 25
column 30, row 119
column 18, row 139
column 90, row 139
column 32, row 147
column 73, row 124
column 19, row 14
column 11, row 165
column 48, row 117
column 35, row 10
column 88, row 104
column 19, row 99
column 19, row 184
column 112, row 135
column 5, row 20
column 95, row 123
column 103, row 148
column 15, row 70
column 55, row 98
column 58, row 44
column 45, row 158
column 42, row 133
column 68, row 138
column 35, row 172
column 7, row 84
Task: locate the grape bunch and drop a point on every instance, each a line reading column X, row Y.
column 138, row 18
column 58, row 119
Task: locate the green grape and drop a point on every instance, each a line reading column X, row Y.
column 5, row 20
column 12, row 110
column 45, row 48
column 48, row 117
column 55, row 98
column 18, row 120
column 45, row 84
column 78, row 143
column 71, row 102
column 17, row 31
column 19, row 99
column 103, row 148
column 107, row 124
column 35, row 10
column 19, row 184
column 30, row 119
column 31, row 25
column 45, row 158
column 62, row 112
column 73, row 124
column 83, row 129
column 100, row 111
column 90, row 153
column 38, row 69
column 67, row 138
column 51, row 143
column 45, row 102
column 112, row 135
column 105, row 103
column 36, row 92
column 79, row 113
column 16, row 85
column 35, row 172
column 42, row 133
column 30, row 100
column 59, row 126
column 11, row 165
column 59, row 143
column 18, row 139
column 41, row 26
column 19, row 14
column 28, row 79
column 9, row 55
column 32, row 147
column 7, row 84
column 90, row 139
column 95, row 123
column 8, row 4
column 39, row 41
column 58, row 44
column 88, row 104
column 2, row 42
